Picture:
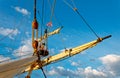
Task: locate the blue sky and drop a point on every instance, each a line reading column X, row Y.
column 101, row 61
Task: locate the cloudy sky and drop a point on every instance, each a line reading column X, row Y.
column 101, row 61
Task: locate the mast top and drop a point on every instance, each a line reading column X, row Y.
column 34, row 9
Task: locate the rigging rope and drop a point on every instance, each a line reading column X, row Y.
column 7, row 35
column 87, row 23
column 73, row 3
column 43, row 72
column 9, row 52
column 68, row 4
column 52, row 10
column 75, row 9
column 14, row 29
column 54, row 15
column 42, row 21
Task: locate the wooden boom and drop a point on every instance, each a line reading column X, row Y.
column 50, row 34
column 67, row 53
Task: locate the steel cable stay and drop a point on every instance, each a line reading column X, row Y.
column 52, row 6
column 76, row 10
column 42, row 17
column 15, row 26
column 73, row 3
column 42, row 20
column 56, row 19
column 42, row 27
column 52, row 10
column 8, row 49
column 10, row 58
column 8, row 34
column 52, row 14
column 11, row 53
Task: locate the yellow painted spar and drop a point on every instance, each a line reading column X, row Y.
column 50, row 34
column 67, row 53
column 10, row 69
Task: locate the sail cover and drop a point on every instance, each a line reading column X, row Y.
column 10, row 69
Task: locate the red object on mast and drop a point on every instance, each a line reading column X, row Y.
column 49, row 24
column 35, row 44
column 35, row 24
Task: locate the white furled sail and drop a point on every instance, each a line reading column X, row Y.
column 10, row 69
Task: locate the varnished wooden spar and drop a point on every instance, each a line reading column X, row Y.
column 50, row 34
column 68, row 53
column 23, row 65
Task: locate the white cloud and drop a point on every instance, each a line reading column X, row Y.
column 110, row 59
column 4, row 59
column 9, row 32
column 74, row 63
column 61, row 71
column 24, row 50
column 52, row 72
column 88, row 72
column 112, row 63
column 22, row 10
column 109, row 69
column 93, row 73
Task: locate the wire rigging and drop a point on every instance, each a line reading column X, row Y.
column 59, row 23
column 52, row 10
column 86, row 23
column 42, row 21
column 14, row 29
column 75, row 9
column 73, row 3
column 68, row 4
column 8, row 50
column 52, row 13
column 43, row 72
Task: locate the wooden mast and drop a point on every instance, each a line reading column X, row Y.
column 35, row 30
column 34, row 40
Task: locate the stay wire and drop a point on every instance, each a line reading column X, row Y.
column 6, row 47
column 68, row 4
column 75, row 9
column 14, row 28
column 7, row 35
column 55, row 15
column 52, row 13
column 42, row 21
column 87, row 23
column 43, row 72
column 73, row 3
column 52, row 10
